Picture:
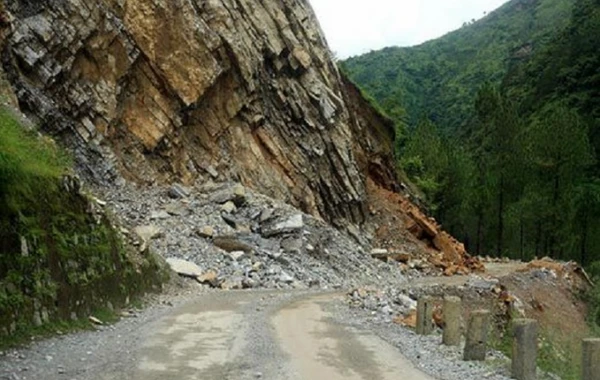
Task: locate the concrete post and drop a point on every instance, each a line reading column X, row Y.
column 591, row 359
column 425, row 315
column 452, row 321
column 477, row 336
column 525, row 348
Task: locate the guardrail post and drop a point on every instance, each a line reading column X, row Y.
column 591, row 359
column 452, row 321
column 477, row 336
column 425, row 315
column 525, row 349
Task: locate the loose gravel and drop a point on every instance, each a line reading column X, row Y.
column 247, row 239
column 425, row 352
column 111, row 351
column 287, row 250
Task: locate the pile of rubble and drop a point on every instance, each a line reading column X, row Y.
column 571, row 272
column 225, row 236
column 399, row 221
column 539, row 289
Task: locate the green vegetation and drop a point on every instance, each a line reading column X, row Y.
column 439, row 79
column 27, row 163
column 559, row 359
column 562, row 359
column 503, row 138
column 58, row 258
column 26, row 333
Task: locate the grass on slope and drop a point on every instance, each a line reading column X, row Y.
column 59, row 259
column 28, row 162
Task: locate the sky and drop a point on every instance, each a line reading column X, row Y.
column 354, row 27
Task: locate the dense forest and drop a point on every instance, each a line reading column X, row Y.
column 512, row 168
column 439, row 78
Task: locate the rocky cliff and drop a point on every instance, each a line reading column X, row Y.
column 186, row 90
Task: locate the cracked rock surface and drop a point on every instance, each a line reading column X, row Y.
column 179, row 90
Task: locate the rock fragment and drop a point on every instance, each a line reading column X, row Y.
column 185, row 268
column 231, row 243
column 178, row 191
column 209, row 277
column 206, row 232
column 291, row 224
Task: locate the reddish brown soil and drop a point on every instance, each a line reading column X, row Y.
column 401, row 227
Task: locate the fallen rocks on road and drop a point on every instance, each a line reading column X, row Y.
column 209, row 278
column 185, row 268
column 256, row 242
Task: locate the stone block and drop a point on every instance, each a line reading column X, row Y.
column 525, row 348
column 591, row 359
column 452, row 321
column 425, row 315
column 477, row 336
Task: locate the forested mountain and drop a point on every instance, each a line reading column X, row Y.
column 507, row 157
column 567, row 69
column 439, row 78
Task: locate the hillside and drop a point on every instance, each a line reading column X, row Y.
column 439, row 78
column 215, row 134
column 566, row 69
column 520, row 178
column 61, row 257
column 192, row 98
column 221, row 138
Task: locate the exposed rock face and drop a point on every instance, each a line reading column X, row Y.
column 178, row 89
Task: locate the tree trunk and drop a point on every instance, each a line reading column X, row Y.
column 538, row 239
column 479, row 229
column 521, row 242
column 584, row 239
column 553, row 235
column 499, row 243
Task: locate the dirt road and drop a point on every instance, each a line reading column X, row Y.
column 320, row 349
column 220, row 338
column 233, row 335
column 225, row 335
column 269, row 335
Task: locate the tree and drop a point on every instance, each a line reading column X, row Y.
column 560, row 152
column 424, row 159
column 497, row 151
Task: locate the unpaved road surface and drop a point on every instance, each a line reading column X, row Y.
column 218, row 338
column 243, row 335
column 235, row 335
column 321, row 349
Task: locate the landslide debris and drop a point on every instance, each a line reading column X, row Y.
column 262, row 243
column 245, row 92
column 404, row 233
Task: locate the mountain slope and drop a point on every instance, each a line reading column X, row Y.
column 566, row 69
column 439, row 78
column 166, row 91
column 146, row 93
column 520, row 179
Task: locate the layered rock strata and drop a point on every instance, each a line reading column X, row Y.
column 166, row 90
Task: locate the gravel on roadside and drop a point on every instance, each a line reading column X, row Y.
column 425, row 352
